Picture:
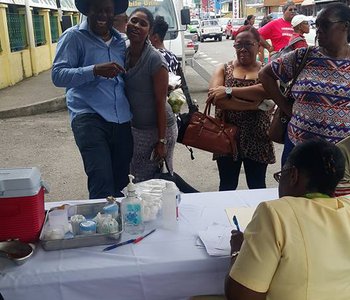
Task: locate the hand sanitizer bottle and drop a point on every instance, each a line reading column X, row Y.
column 169, row 206
column 132, row 210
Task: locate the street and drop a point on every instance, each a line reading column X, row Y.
column 46, row 141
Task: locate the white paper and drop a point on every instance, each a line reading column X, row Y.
column 216, row 239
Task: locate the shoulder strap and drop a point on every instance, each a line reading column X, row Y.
column 300, row 68
column 298, row 39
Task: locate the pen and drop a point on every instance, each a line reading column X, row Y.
column 118, row 245
column 142, row 237
column 235, row 221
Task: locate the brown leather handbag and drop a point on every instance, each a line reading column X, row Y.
column 211, row 134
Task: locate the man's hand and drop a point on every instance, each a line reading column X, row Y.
column 108, row 70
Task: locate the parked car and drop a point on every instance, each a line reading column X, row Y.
column 209, row 29
column 194, row 25
column 223, row 22
column 231, row 30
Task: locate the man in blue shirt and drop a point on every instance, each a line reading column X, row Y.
column 89, row 63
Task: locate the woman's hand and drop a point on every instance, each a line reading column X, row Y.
column 216, row 94
column 236, row 240
column 108, row 70
column 159, row 151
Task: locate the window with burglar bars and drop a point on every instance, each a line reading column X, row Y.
column 54, row 28
column 75, row 20
column 39, row 30
column 17, row 31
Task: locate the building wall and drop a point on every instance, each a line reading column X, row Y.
column 18, row 65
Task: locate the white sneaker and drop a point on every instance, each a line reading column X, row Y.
column 266, row 105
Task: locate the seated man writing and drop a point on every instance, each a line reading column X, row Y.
column 297, row 247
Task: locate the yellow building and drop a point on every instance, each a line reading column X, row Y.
column 29, row 31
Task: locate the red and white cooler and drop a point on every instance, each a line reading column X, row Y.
column 22, row 210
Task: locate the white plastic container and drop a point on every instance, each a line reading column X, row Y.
column 132, row 210
column 169, row 206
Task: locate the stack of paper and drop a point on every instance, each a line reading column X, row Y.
column 216, row 239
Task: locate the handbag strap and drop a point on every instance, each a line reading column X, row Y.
column 300, row 68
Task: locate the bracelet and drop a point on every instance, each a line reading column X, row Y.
column 234, row 254
column 162, row 141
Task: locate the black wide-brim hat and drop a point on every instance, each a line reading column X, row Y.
column 120, row 6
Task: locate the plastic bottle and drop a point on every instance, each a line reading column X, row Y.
column 132, row 210
column 169, row 206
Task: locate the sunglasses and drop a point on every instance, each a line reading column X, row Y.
column 239, row 46
column 292, row 9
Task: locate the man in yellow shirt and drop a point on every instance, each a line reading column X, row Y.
column 297, row 247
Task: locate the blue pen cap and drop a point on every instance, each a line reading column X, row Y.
column 111, row 209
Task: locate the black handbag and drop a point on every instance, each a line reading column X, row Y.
column 165, row 174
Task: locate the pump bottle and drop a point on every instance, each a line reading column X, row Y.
column 132, row 210
column 169, row 206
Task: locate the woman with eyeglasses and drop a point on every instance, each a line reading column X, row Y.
column 321, row 93
column 236, row 92
column 297, row 247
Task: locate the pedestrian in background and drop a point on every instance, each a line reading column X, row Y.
column 321, row 93
column 280, row 30
column 250, row 20
column 89, row 62
column 300, row 26
column 154, row 126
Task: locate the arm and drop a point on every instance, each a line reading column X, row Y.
column 269, row 82
column 160, row 87
column 67, row 69
column 251, row 275
column 243, row 98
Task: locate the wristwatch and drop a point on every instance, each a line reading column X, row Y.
column 162, row 141
column 228, row 91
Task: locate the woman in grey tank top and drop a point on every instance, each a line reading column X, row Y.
column 153, row 125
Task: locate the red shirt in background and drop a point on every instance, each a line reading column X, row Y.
column 301, row 43
column 278, row 31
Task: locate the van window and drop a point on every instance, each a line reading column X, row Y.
column 163, row 8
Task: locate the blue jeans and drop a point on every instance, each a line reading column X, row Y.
column 106, row 149
column 229, row 170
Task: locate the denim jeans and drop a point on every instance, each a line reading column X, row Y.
column 229, row 170
column 106, row 149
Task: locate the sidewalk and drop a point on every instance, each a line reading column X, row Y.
column 31, row 96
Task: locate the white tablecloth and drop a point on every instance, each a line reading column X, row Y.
column 166, row 265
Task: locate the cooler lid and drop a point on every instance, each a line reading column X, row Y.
column 19, row 182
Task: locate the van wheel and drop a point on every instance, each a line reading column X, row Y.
column 220, row 38
column 201, row 39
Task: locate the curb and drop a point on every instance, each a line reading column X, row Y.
column 51, row 105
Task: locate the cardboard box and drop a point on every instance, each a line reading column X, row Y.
column 22, row 210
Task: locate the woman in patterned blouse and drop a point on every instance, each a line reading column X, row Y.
column 322, row 92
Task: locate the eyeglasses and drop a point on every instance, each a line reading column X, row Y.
column 239, row 46
column 326, row 24
column 277, row 176
column 292, row 9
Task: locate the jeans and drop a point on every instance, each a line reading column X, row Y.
column 106, row 149
column 229, row 173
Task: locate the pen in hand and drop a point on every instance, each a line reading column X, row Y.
column 235, row 221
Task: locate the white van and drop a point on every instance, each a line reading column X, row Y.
column 172, row 12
